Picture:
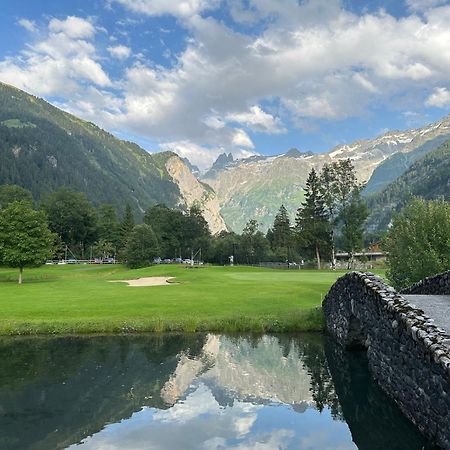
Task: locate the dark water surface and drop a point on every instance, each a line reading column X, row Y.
column 194, row 392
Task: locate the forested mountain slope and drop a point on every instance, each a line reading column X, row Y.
column 396, row 165
column 43, row 148
column 429, row 178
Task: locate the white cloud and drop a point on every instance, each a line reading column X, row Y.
column 29, row 25
column 119, row 51
column 73, row 27
column 439, row 98
column 60, row 64
column 312, row 60
column 257, row 120
column 242, row 139
column 424, row 5
column 365, row 83
column 179, row 8
column 214, row 122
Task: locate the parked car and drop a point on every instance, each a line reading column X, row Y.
column 157, row 260
column 167, row 261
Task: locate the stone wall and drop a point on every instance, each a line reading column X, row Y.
column 436, row 285
column 407, row 354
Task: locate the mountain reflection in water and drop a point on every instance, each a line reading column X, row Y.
column 193, row 391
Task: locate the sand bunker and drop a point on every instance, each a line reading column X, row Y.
column 147, row 281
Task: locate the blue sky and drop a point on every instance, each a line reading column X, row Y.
column 248, row 76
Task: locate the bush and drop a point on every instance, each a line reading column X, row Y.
column 418, row 242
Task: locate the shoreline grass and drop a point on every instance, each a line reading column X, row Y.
column 305, row 320
column 80, row 300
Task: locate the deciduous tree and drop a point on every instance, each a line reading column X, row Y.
column 142, row 247
column 72, row 216
column 12, row 193
column 25, row 239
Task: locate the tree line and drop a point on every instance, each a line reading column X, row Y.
column 72, row 227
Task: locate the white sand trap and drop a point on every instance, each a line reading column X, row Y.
column 147, row 281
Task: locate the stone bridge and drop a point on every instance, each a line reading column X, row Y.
column 407, row 339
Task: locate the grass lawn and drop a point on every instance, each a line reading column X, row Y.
column 79, row 299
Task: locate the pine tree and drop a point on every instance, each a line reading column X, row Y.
column 127, row 224
column 108, row 225
column 281, row 238
column 312, row 221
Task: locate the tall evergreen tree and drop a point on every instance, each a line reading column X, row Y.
column 108, row 225
column 281, row 238
column 312, row 221
column 127, row 224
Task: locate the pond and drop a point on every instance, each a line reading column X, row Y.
column 193, row 391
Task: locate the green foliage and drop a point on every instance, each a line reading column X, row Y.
column 108, row 227
column 179, row 234
column 346, row 210
column 141, row 247
column 312, row 222
column 418, row 242
column 224, row 245
column 103, row 249
column 167, row 223
column 10, row 193
column 281, row 237
column 353, row 216
column 254, row 244
column 338, row 180
column 73, row 218
column 25, row 239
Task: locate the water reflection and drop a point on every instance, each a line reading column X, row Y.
column 193, row 392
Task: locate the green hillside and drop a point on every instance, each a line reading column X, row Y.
column 43, row 148
column 395, row 166
column 429, row 178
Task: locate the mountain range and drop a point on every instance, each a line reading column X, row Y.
column 43, row 148
column 255, row 187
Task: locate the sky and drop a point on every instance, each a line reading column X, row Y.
column 203, row 77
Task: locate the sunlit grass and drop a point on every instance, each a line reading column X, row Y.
column 79, row 299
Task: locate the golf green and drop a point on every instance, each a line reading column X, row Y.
column 80, row 299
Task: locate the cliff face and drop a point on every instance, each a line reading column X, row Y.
column 192, row 191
